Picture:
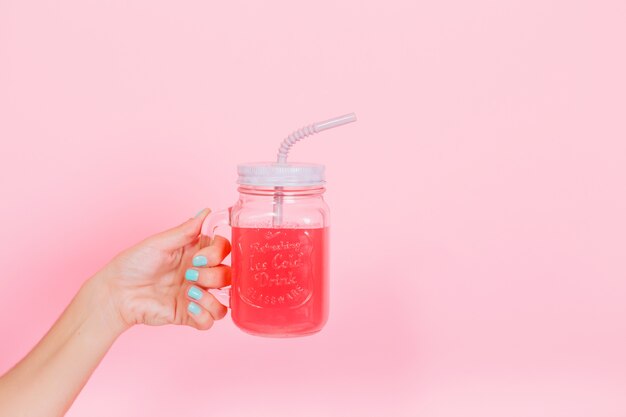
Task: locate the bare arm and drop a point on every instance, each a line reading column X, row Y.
column 46, row 382
column 146, row 284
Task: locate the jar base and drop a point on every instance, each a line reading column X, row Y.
column 273, row 332
column 280, row 335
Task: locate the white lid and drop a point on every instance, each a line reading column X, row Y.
column 273, row 174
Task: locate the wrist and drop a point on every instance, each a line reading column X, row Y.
column 104, row 306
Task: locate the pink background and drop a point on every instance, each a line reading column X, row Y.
column 478, row 206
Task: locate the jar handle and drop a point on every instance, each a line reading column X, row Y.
column 207, row 233
column 211, row 223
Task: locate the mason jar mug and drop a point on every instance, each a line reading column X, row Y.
column 279, row 239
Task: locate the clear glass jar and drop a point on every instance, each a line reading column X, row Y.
column 279, row 259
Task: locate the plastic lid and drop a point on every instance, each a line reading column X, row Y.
column 273, row 174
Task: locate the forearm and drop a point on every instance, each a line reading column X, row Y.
column 48, row 379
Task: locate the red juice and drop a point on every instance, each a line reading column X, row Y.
column 280, row 280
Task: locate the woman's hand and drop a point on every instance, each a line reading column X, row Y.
column 144, row 284
column 164, row 279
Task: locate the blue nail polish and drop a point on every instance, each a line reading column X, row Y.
column 191, row 275
column 195, row 293
column 193, row 308
column 199, row 213
column 199, row 260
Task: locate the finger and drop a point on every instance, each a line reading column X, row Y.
column 181, row 235
column 214, row 277
column 198, row 317
column 206, row 301
column 213, row 254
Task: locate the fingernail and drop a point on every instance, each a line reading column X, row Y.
column 199, row 213
column 199, row 260
column 195, row 293
column 191, row 275
column 193, row 308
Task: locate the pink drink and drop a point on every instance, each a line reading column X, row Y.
column 280, row 280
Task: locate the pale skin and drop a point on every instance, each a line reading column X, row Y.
column 148, row 283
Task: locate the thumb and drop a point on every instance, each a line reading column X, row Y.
column 181, row 235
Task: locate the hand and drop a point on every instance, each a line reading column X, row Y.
column 149, row 283
column 154, row 282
